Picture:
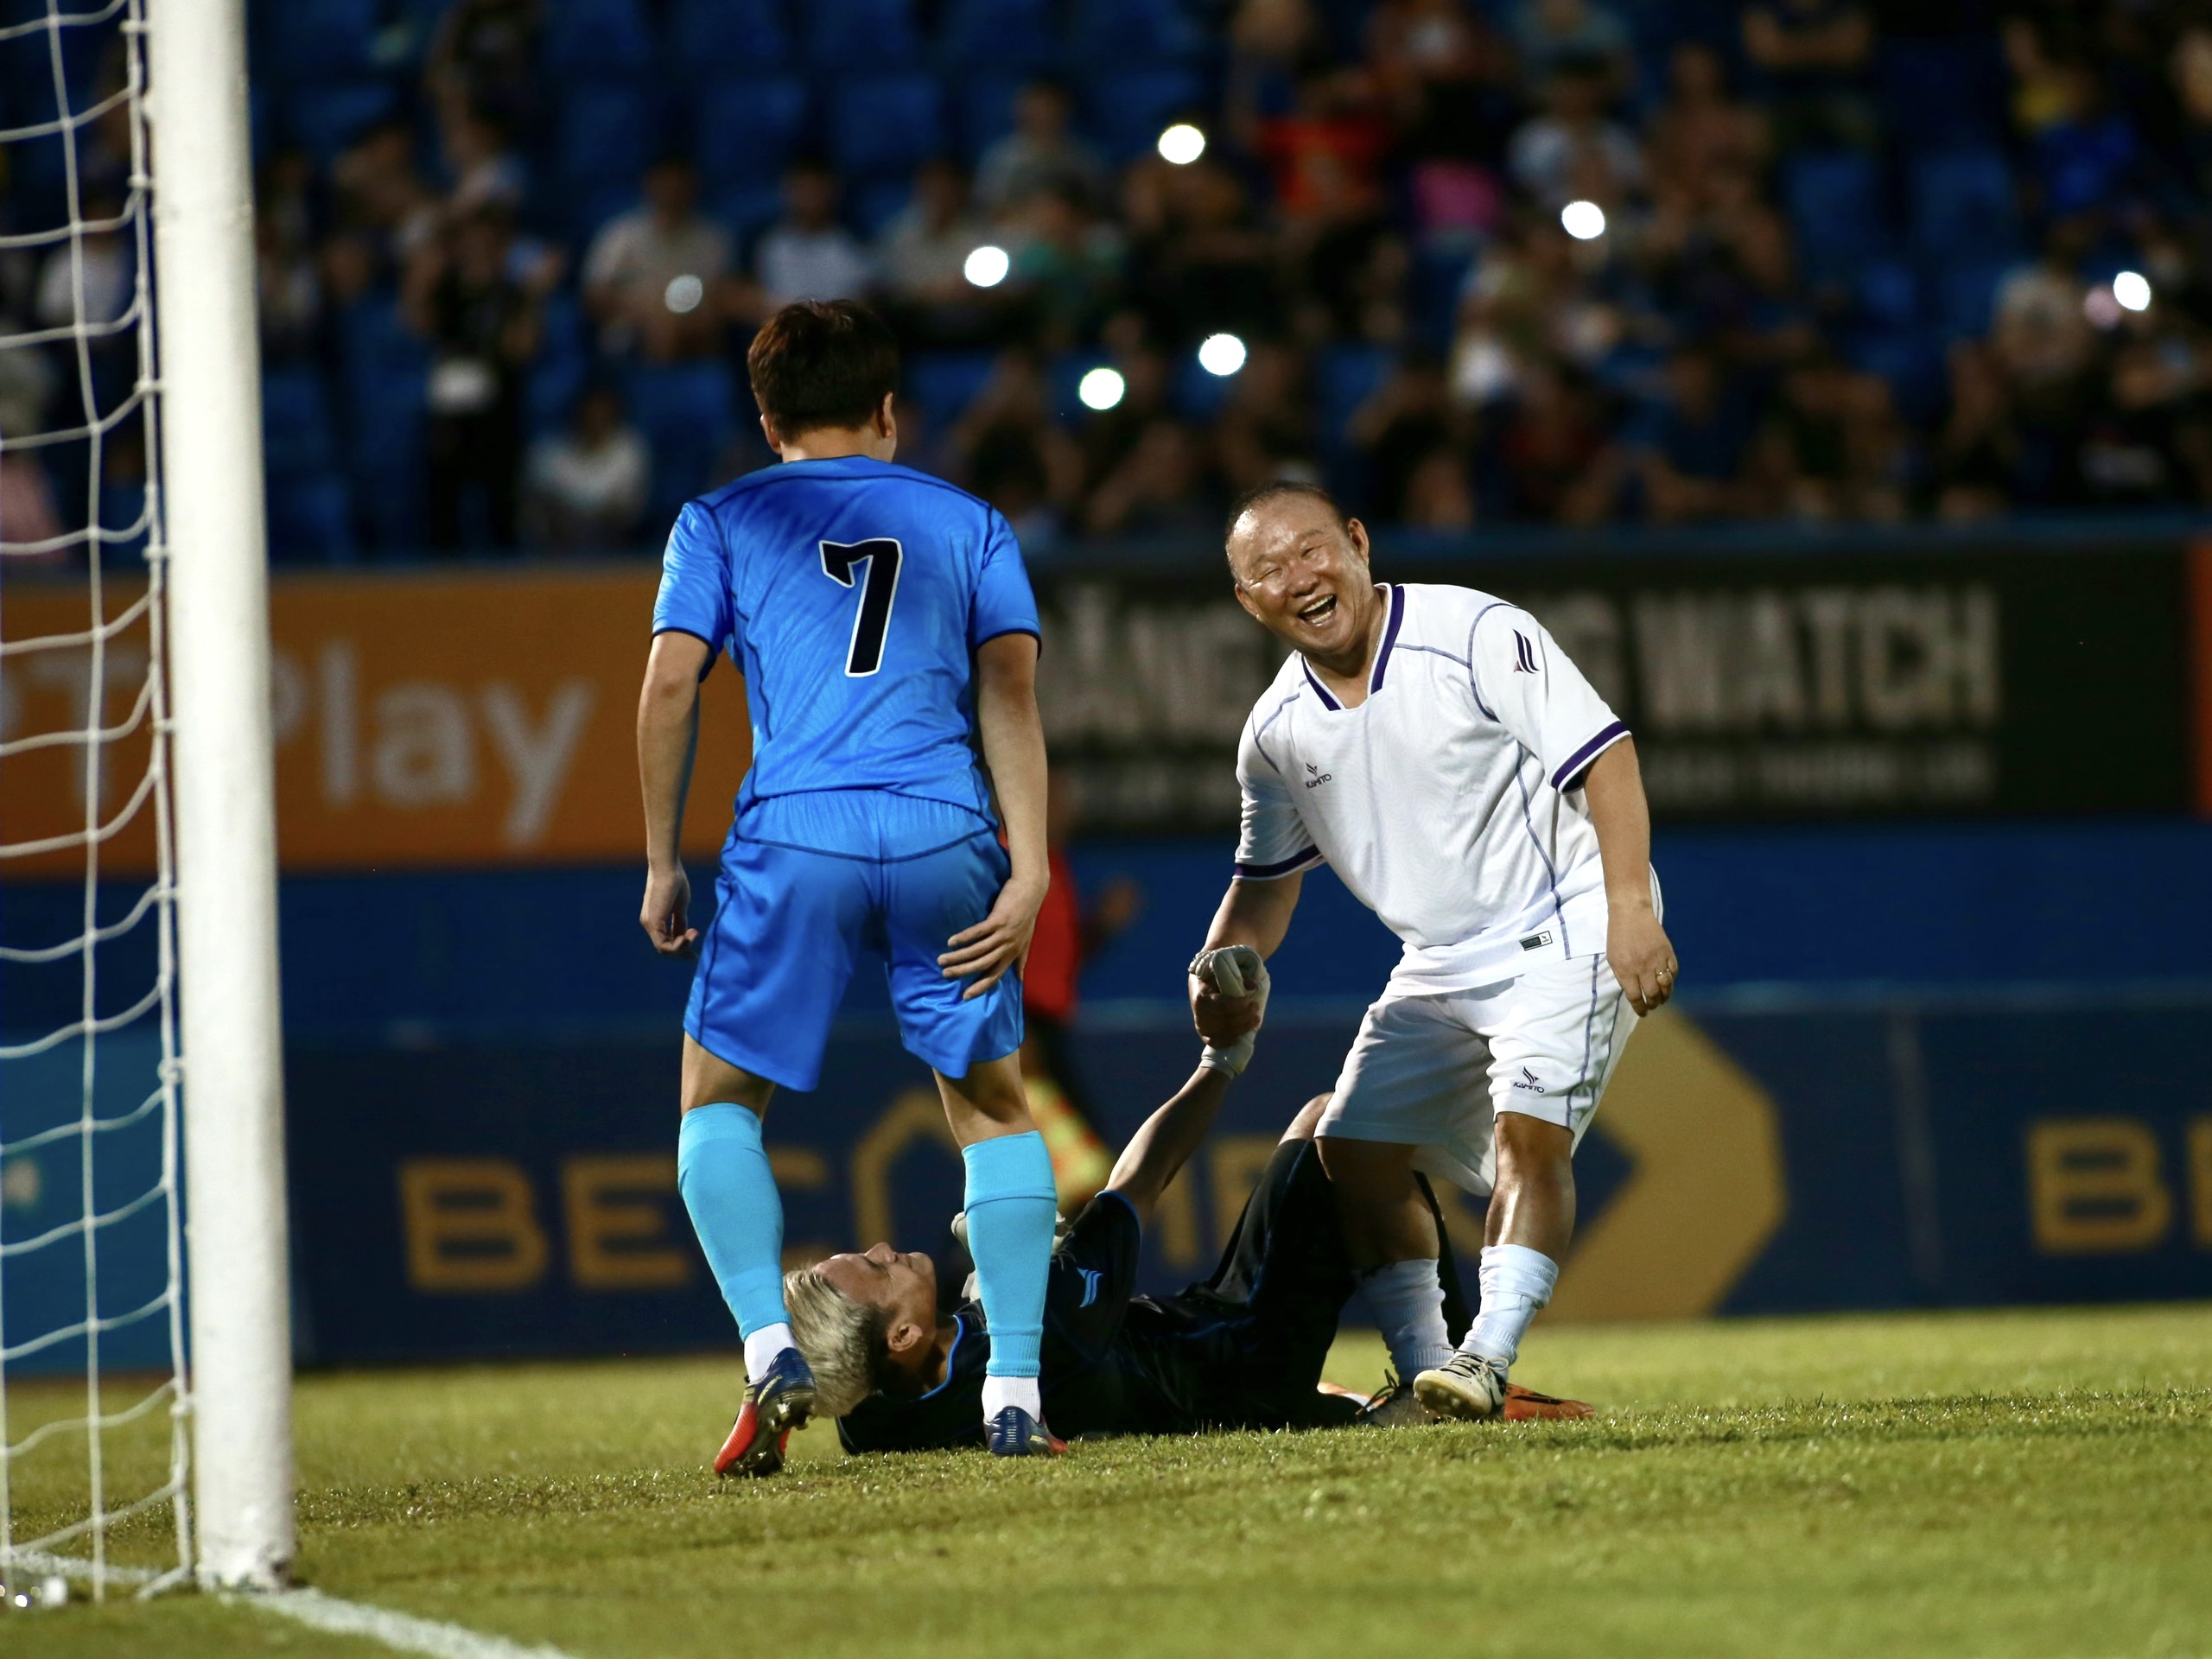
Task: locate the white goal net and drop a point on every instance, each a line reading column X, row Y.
column 93, row 1447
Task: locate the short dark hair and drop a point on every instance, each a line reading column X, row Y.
column 821, row 363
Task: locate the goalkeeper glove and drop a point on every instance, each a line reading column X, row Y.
column 1234, row 970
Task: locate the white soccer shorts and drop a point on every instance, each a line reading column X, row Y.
column 1434, row 1071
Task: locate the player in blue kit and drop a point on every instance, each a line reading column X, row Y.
column 884, row 630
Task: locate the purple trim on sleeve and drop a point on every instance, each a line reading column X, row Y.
column 1389, row 634
column 1319, row 689
column 1286, row 867
column 1569, row 775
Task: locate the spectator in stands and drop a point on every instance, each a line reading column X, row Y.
column 382, row 198
column 287, row 277
column 28, row 517
column 1447, row 76
column 1553, row 35
column 482, row 163
column 1700, row 132
column 1693, row 450
column 1573, row 150
column 1273, row 46
column 1014, row 454
column 1201, row 262
column 585, row 485
column 2086, row 161
column 1814, row 55
column 1439, row 495
column 1828, row 449
column 1402, row 422
column 1040, row 154
column 1558, row 464
column 807, row 254
column 920, row 262
column 1266, row 432
column 1067, row 266
column 657, row 278
column 1162, row 488
column 1325, row 157
column 2191, row 67
column 482, row 326
column 2042, row 336
column 485, row 53
column 1977, row 456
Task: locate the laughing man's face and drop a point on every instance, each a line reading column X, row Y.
column 1305, row 575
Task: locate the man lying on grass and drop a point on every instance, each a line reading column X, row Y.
column 1241, row 1350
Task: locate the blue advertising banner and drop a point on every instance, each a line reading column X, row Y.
column 505, row 1198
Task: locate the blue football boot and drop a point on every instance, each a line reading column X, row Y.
column 1015, row 1433
column 775, row 1406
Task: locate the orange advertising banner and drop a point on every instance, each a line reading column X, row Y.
column 424, row 718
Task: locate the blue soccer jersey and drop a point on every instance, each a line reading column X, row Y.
column 852, row 594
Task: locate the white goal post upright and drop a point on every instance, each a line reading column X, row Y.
column 210, row 373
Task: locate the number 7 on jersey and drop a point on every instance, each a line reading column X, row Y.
column 879, row 592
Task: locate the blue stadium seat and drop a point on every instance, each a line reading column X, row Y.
column 596, row 39
column 985, row 110
column 311, row 520
column 1132, row 32
column 324, row 119
column 686, row 413
column 1889, row 294
column 318, row 39
column 747, row 208
column 1014, row 34
column 1912, row 364
column 884, row 126
column 385, row 368
column 606, row 135
column 1964, row 204
column 726, row 37
column 845, row 34
column 1344, row 376
column 945, row 383
column 1128, row 109
column 1835, row 204
column 876, row 202
column 562, row 366
column 295, row 428
column 748, row 130
column 1941, row 93
column 1964, row 293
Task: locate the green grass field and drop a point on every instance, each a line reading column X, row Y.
column 2016, row 1484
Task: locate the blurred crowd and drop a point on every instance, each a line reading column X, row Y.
column 1470, row 262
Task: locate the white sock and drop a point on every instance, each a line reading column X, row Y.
column 1000, row 1392
column 1516, row 1282
column 762, row 1347
column 1407, row 1300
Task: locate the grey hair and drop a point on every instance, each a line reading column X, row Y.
column 843, row 1340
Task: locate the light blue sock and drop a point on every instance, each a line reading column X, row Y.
column 722, row 1171
column 1011, row 1209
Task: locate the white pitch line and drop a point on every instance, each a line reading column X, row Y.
column 401, row 1631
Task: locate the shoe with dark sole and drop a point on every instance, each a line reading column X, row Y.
column 1526, row 1405
column 777, row 1404
column 1015, row 1433
column 1394, row 1406
column 1466, row 1386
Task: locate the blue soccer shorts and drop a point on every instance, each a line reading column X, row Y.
column 790, row 920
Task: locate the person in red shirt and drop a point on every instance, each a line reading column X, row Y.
column 1067, row 938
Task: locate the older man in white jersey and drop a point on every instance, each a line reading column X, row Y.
column 1435, row 746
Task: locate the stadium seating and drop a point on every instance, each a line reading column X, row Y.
column 984, row 109
column 715, row 36
column 945, row 383
column 1951, row 91
column 1125, row 110
column 1964, row 206
column 1132, row 32
column 322, row 39
column 606, row 135
column 1835, row 202
column 323, row 119
column 997, row 35
column 856, row 34
column 884, row 126
column 596, row 39
column 296, row 436
column 385, row 368
column 746, row 132
column 687, row 412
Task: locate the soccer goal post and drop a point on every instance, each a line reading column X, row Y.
column 211, row 471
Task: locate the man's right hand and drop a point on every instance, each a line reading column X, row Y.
column 668, row 902
column 1220, row 1019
